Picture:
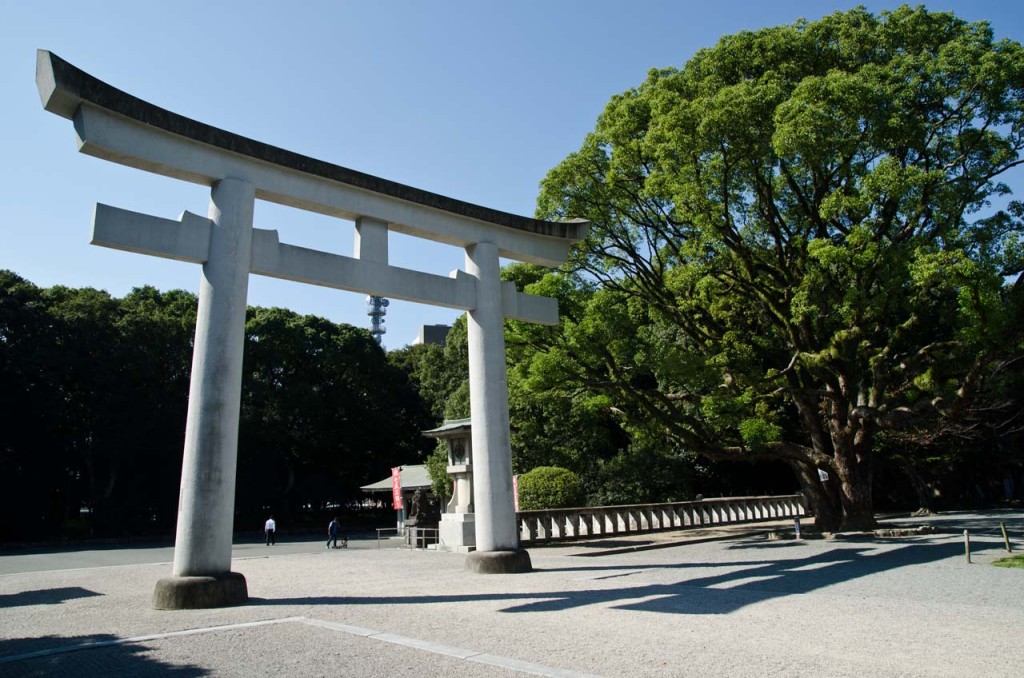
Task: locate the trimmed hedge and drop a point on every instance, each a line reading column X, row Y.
column 550, row 487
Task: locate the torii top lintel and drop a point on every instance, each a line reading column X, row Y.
column 119, row 127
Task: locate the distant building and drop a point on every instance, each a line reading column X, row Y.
column 432, row 334
column 413, row 476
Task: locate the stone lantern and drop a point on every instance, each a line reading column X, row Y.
column 457, row 530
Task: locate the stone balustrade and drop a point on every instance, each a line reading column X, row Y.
column 594, row 521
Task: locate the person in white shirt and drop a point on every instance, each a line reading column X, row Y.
column 269, row 529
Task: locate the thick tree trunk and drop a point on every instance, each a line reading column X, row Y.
column 855, row 491
column 824, row 508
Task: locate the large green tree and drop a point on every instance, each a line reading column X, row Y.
column 440, row 374
column 797, row 241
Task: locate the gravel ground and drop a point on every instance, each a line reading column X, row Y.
column 739, row 605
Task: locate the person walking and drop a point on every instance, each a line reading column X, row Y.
column 332, row 533
column 269, row 529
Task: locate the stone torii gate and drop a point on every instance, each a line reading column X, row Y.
column 118, row 127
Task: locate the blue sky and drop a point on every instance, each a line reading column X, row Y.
column 474, row 100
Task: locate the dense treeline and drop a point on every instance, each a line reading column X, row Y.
column 94, row 395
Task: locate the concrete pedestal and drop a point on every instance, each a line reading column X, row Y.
column 458, row 532
column 499, row 562
column 193, row 593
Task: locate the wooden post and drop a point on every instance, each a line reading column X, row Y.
column 1006, row 539
column 967, row 546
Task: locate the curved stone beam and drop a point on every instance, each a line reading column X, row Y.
column 119, row 127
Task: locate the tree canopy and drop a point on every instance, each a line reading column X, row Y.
column 800, row 240
column 95, row 393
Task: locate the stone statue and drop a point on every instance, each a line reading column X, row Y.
column 423, row 511
column 416, row 505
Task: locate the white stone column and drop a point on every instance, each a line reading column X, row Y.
column 488, row 401
column 207, row 501
column 371, row 240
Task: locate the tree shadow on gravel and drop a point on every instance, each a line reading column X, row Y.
column 736, row 585
column 92, row 655
column 955, row 522
column 45, row 596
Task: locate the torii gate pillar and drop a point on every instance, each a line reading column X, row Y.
column 496, row 541
column 202, row 575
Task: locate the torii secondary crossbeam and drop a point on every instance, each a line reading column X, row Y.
column 116, row 126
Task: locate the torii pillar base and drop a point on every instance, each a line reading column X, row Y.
column 499, row 562
column 195, row 593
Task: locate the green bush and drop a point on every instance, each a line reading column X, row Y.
column 437, row 467
column 550, row 487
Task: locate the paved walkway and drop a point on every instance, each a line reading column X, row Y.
column 735, row 605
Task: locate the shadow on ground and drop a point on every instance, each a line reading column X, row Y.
column 45, row 596
column 94, row 655
column 737, row 585
column 955, row 522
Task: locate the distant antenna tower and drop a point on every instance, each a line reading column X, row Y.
column 377, row 308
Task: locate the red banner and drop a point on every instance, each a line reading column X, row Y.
column 396, row 488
